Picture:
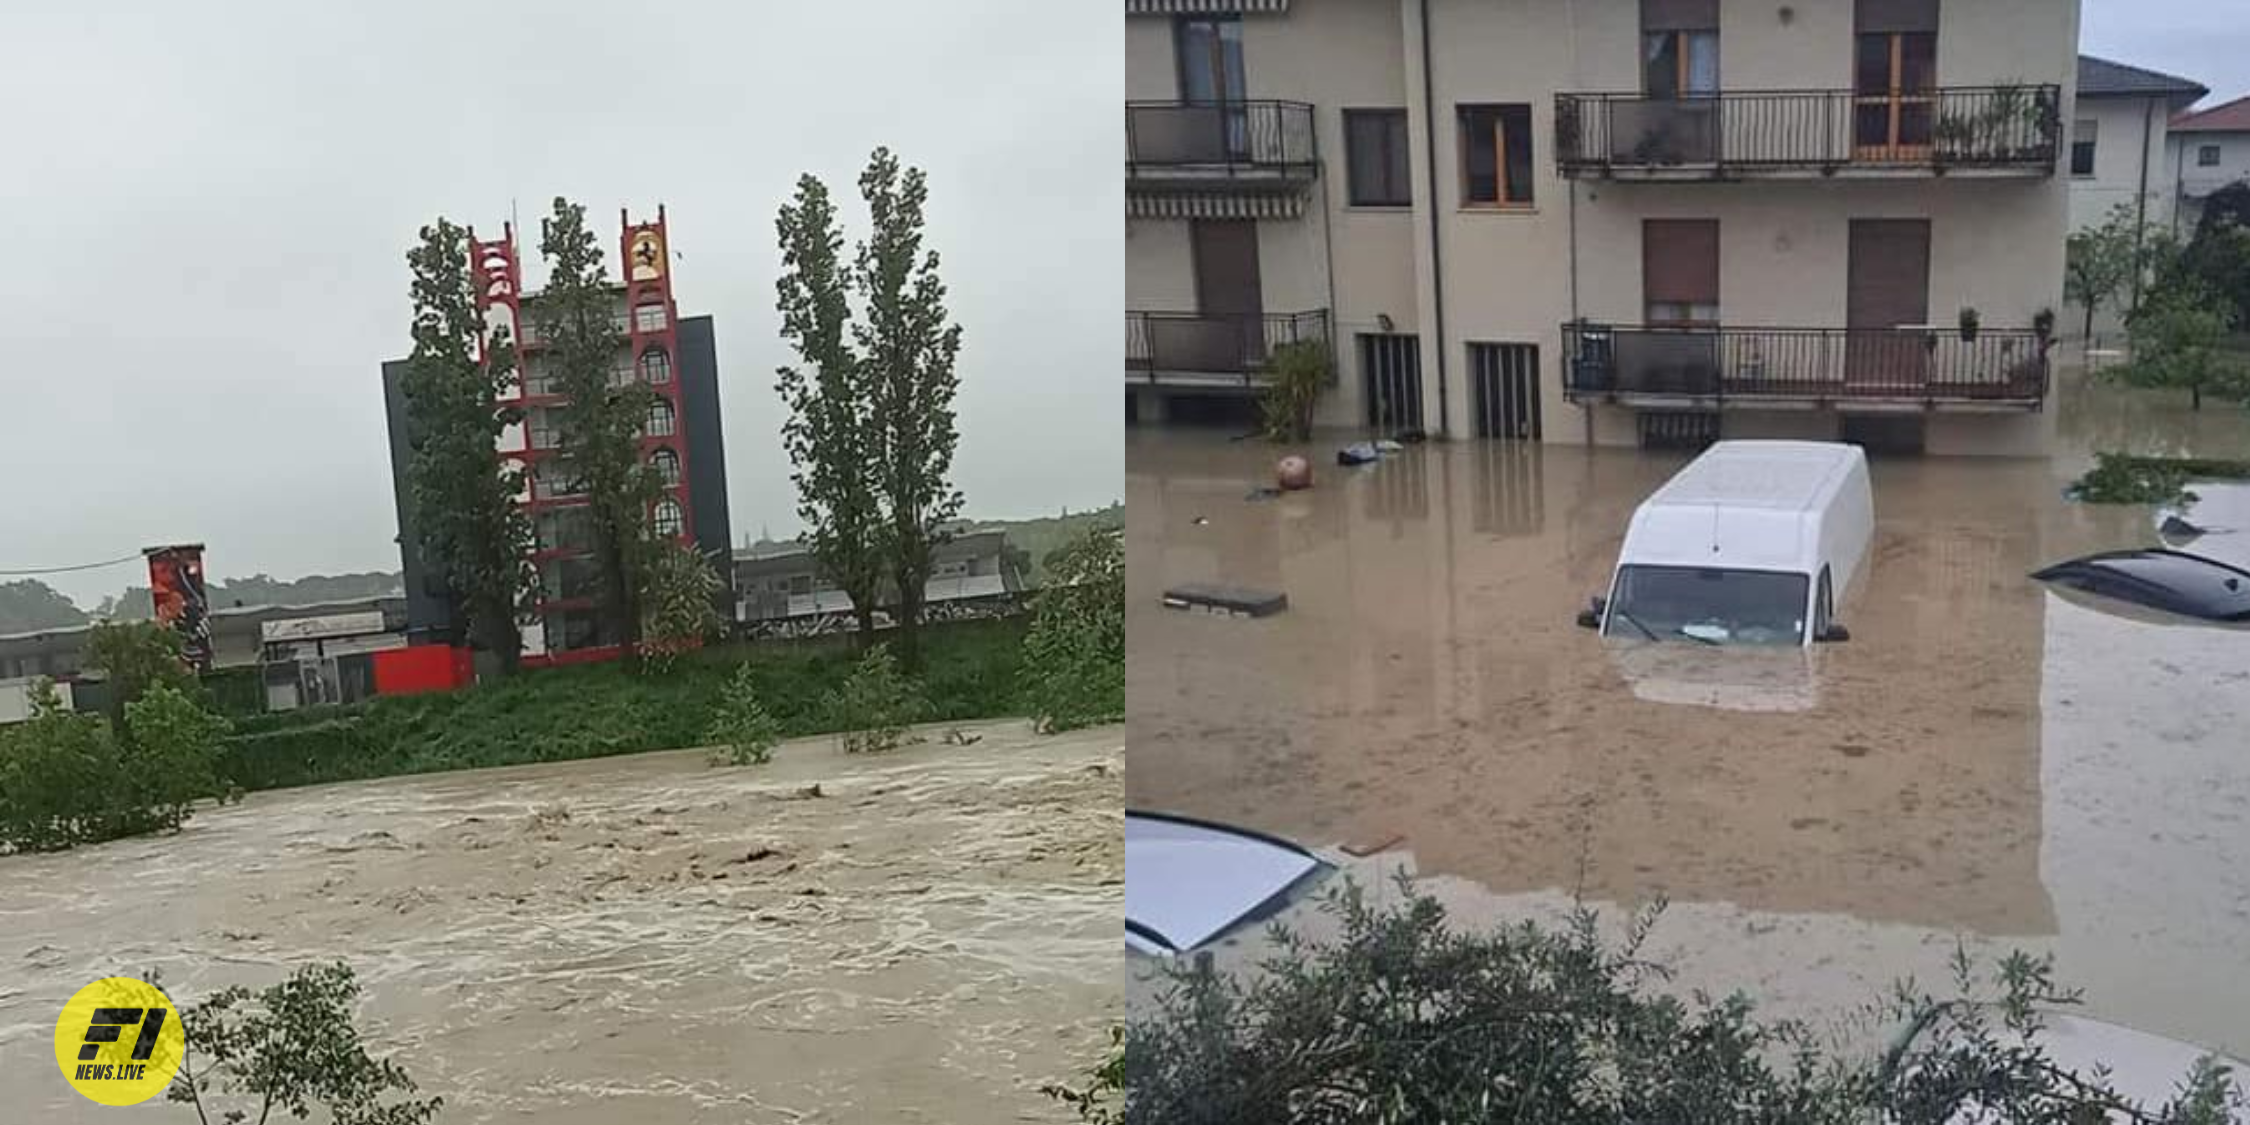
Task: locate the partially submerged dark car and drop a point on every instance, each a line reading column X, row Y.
column 2169, row 582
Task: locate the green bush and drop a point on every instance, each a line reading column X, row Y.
column 582, row 711
column 875, row 704
column 2121, row 478
column 1404, row 1018
column 1295, row 375
column 68, row 779
column 1074, row 656
column 742, row 732
column 171, row 754
column 237, row 693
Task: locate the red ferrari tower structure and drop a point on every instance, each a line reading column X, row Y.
column 564, row 625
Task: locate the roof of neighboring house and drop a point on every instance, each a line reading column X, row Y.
column 963, row 542
column 2226, row 117
column 2101, row 77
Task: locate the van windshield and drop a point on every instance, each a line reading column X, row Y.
column 1709, row 604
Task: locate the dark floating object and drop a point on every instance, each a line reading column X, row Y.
column 1237, row 601
column 2176, row 530
column 2173, row 582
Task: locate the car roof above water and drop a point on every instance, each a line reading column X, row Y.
column 1791, row 476
column 1747, row 505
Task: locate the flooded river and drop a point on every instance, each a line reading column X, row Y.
column 1983, row 760
column 927, row 938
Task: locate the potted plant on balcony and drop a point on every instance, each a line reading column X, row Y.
column 1954, row 134
column 1968, row 324
column 2043, row 327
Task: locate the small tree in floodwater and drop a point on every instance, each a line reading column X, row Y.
column 291, row 1047
column 1074, row 655
column 1404, row 1018
column 743, row 732
column 876, row 704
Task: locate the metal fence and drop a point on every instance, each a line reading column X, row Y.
column 1159, row 343
column 1997, row 365
column 1998, row 127
column 1229, row 136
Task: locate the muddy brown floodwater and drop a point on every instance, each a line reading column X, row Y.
column 644, row 939
column 1982, row 761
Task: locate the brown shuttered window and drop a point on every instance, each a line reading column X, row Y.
column 1895, row 16
column 1679, row 15
column 1680, row 270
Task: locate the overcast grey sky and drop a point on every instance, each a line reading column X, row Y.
column 206, row 209
column 2204, row 40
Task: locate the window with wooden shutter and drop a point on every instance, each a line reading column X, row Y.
column 1680, row 272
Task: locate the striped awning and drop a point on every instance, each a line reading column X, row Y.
column 1214, row 205
column 1199, row 7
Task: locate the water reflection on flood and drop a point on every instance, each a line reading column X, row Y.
column 928, row 937
column 1976, row 760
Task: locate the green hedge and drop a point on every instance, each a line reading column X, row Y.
column 558, row 714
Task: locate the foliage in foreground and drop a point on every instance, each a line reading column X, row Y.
column 68, row 779
column 875, row 704
column 1295, row 375
column 1403, row 1018
column 1074, row 656
column 2122, row 478
column 291, row 1047
column 742, row 732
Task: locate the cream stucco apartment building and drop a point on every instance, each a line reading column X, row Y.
column 1611, row 221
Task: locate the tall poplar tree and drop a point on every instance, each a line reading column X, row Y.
column 464, row 500
column 908, row 344
column 602, row 419
column 831, row 434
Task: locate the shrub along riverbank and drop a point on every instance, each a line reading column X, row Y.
column 970, row 671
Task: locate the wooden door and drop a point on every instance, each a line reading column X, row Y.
column 1887, row 296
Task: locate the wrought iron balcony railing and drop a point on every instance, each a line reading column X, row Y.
column 1191, row 139
column 1987, row 129
column 1161, row 345
column 2001, row 367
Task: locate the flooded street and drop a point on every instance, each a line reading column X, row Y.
column 1982, row 759
column 927, row 937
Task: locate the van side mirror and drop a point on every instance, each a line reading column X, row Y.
column 1591, row 616
column 1834, row 634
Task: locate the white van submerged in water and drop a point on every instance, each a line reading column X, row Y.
column 1753, row 543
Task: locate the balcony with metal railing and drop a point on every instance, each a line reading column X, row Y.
column 1901, row 368
column 1980, row 131
column 1213, row 349
column 1211, row 144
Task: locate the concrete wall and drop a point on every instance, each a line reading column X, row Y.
column 2121, row 127
column 1784, row 246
